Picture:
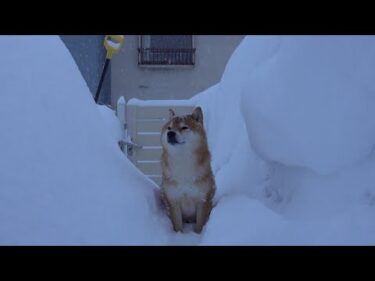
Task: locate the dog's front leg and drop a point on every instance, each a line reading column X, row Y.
column 176, row 216
column 203, row 212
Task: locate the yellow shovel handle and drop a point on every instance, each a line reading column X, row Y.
column 113, row 44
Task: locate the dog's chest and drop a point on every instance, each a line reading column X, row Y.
column 187, row 196
column 185, row 191
column 184, row 184
column 184, row 171
column 183, row 168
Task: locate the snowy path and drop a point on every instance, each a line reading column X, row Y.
column 187, row 238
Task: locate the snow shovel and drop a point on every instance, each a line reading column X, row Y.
column 113, row 44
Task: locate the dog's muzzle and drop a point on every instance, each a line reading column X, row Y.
column 172, row 138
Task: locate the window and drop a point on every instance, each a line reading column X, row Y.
column 166, row 50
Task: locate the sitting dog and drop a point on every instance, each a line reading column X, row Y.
column 188, row 184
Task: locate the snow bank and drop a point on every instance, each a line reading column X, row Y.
column 316, row 96
column 292, row 133
column 63, row 179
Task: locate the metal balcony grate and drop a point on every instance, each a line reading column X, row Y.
column 166, row 56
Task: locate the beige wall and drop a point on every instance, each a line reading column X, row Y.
column 130, row 80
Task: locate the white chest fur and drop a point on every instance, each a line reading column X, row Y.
column 182, row 164
column 180, row 191
column 187, row 196
column 184, row 171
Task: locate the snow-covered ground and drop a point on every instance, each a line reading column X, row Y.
column 292, row 133
column 291, row 129
column 63, row 179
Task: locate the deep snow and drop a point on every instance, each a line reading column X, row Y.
column 63, row 179
column 294, row 152
column 290, row 127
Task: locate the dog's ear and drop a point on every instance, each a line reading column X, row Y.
column 171, row 113
column 198, row 115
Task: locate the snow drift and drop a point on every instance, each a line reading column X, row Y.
column 316, row 96
column 63, row 179
column 291, row 126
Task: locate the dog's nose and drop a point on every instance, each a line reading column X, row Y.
column 171, row 134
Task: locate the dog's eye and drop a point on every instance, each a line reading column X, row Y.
column 169, row 128
column 184, row 128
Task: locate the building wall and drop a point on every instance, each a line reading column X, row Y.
column 89, row 54
column 130, row 80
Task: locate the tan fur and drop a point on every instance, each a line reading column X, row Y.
column 196, row 190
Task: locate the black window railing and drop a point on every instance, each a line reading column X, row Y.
column 156, row 56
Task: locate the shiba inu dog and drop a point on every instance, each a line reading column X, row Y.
column 188, row 184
